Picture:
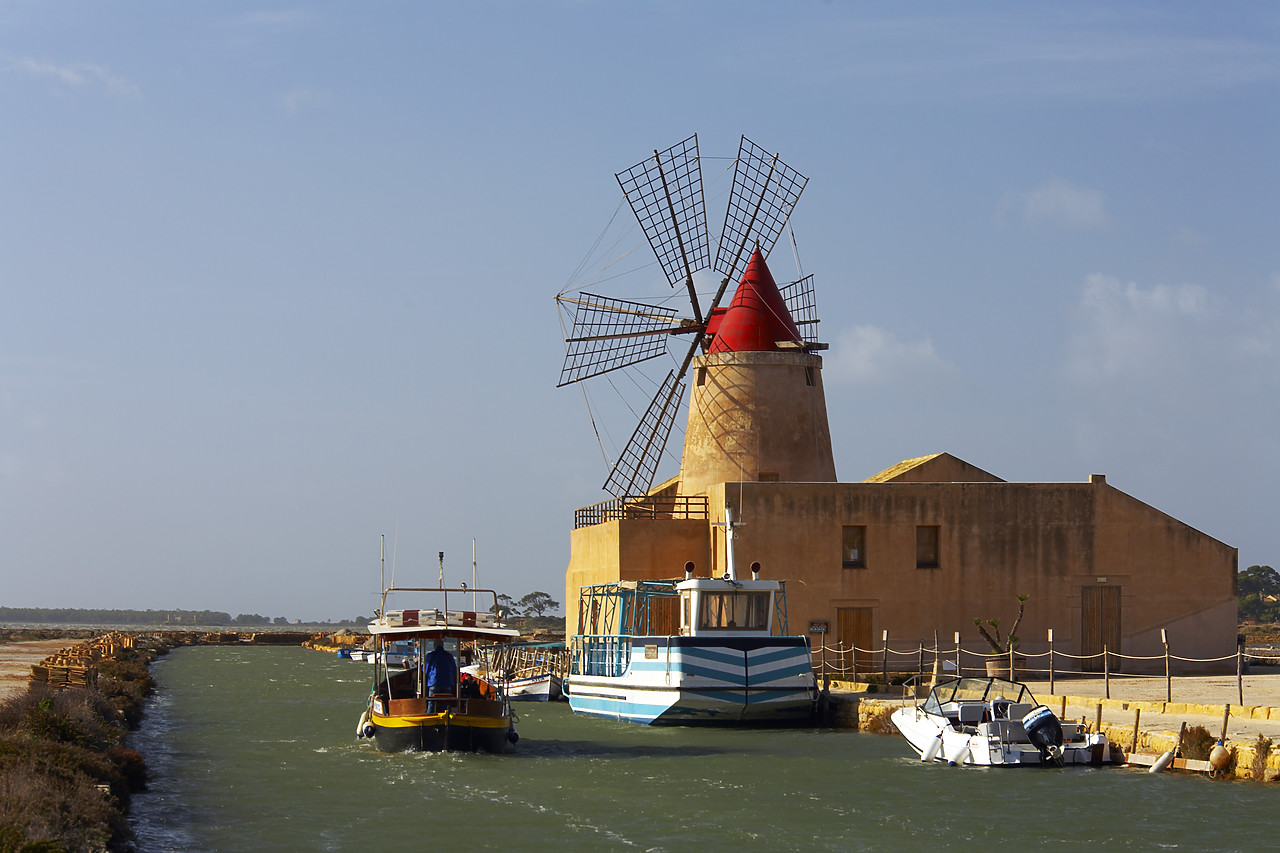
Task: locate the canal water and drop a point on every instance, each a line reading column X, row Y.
column 254, row 748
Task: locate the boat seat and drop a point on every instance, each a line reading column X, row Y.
column 971, row 715
column 1010, row 731
column 1019, row 710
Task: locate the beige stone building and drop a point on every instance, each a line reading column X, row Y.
column 917, row 551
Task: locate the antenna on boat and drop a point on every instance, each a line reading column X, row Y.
column 729, row 536
column 382, row 561
column 442, row 569
column 474, row 605
column 395, row 549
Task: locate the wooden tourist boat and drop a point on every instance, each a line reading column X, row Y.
column 403, row 712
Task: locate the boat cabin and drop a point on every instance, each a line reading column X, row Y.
column 726, row 608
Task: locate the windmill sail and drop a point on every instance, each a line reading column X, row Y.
column 634, row 471
column 765, row 190
column 610, row 333
column 803, row 307
column 665, row 193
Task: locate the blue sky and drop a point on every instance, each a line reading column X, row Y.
column 278, row 279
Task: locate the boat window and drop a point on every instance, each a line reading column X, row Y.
column 734, row 610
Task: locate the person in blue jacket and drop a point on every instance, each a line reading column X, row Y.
column 442, row 673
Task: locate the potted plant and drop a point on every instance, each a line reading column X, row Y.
column 998, row 665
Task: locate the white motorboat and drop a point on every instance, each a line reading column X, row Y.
column 541, row 687
column 994, row 722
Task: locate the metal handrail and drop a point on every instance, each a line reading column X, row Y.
column 642, row 506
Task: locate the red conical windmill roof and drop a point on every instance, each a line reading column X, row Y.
column 757, row 318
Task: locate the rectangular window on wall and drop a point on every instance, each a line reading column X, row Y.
column 927, row 555
column 854, row 545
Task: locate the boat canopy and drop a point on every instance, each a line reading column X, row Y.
column 441, row 621
column 976, row 690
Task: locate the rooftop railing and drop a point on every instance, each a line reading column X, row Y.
column 642, row 506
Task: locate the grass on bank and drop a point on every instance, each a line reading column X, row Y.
column 65, row 775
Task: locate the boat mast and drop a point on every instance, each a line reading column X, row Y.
column 729, row 535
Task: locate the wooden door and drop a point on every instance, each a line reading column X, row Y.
column 853, row 625
column 1099, row 625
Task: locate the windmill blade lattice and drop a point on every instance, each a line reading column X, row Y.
column 803, row 306
column 635, row 469
column 610, row 333
column 765, row 190
column 666, row 196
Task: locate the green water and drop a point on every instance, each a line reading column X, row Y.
column 254, row 748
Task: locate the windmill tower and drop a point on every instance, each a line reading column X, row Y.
column 757, row 408
column 757, row 411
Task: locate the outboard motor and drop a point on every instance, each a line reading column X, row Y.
column 1045, row 733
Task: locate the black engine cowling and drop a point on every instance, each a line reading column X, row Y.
column 1045, row 733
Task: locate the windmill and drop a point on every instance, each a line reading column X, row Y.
column 666, row 195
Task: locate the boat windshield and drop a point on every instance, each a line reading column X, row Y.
column 734, row 611
column 976, row 690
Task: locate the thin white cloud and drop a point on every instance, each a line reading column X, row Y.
column 1188, row 236
column 75, row 75
column 278, row 19
column 1057, row 203
column 1125, row 330
column 1034, row 52
column 867, row 355
column 298, row 100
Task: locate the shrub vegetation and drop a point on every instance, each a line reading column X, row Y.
column 65, row 775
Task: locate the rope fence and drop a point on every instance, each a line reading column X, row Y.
column 851, row 663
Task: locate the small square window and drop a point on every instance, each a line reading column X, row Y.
column 854, row 546
column 702, row 376
column 927, row 547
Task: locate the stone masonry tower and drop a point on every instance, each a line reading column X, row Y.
column 757, row 410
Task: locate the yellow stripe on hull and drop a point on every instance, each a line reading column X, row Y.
column 442, row 719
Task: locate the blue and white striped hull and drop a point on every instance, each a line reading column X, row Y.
column 704, row 681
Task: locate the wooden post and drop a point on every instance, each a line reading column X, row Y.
column 1106, row 672
column 959, row 673
column 936, row 651
column 1063, row 715
column 1051, row 661
column 854, row 649
column 1182, row 733
column 1240, row 667
column 884, row 656
column 1168, row 679
column 1012, row 675
column 1137, row 715
column 1098, row 720
column 1226, row 715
